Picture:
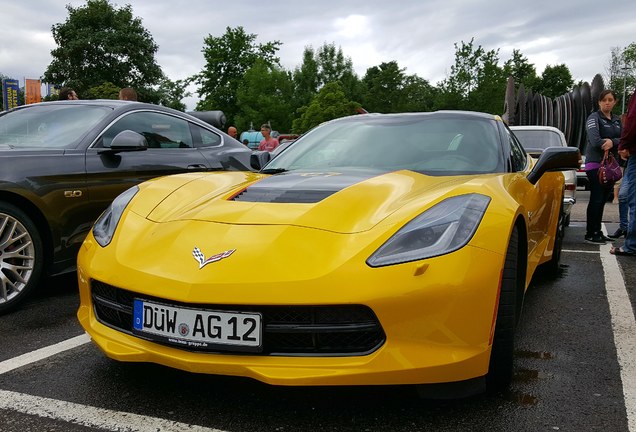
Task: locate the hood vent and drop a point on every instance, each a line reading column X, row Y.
column 276, row 195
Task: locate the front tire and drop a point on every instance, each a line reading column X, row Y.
column 21, row 256
column 500, row 369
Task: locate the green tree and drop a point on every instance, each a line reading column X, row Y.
column 555, row 81
column 465, row 72
column 488, row 95
column 171, row 93
column 99, row 43
column 228, row 58
column 327, row 64
column 306, row 79
column 265, row 95
column 622, row 74
column 521, row 70
column 418, row 95
column 474, row 74
column 329, row 103
column 105, row 90
column 384, row 88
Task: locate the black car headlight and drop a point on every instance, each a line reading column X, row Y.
column 445, row 227
column 104, row 228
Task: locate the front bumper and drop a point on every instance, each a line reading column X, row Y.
column 438, row 317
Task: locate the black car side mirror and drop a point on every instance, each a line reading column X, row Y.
column 126, row 141
column 555, row 159
column 259, row 159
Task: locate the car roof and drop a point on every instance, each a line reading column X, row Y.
column 535, row 127
column 443, row 113
column 121, row 106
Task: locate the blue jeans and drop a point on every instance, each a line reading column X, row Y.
column 630, row 239
column 623, row 207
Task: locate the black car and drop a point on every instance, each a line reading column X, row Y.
column 62, row 163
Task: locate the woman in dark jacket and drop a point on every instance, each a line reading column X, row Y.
column 603, row 133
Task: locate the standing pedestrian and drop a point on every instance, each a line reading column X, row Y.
column 268, row 143
column 603, row 134
column 231, row 131
column 67, row 93
column 627, row 149
column 128, row 93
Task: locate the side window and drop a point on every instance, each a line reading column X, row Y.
column 161, row 130
column 518, row 157
column 207, row 138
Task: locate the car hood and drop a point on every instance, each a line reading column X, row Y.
column 342, row 202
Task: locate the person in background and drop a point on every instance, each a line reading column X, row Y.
column 603, row 133
column 627, row 150
column 268, row 143
column 67, row 93
column 128, row 93
column 231, row 131
column 620, row 198
column 246, row 142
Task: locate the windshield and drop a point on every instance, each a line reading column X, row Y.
column 49, row 126
column 434, row 145
column 537, row 139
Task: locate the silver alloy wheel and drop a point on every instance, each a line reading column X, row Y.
column 17, row 258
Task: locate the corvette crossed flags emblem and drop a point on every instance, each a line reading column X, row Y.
column 200, row 257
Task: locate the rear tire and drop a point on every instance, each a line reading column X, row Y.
column 21, row 256
column 502, row 354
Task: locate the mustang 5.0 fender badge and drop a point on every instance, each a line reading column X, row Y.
column 200, row 257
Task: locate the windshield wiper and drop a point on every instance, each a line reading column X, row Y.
column 274, row 170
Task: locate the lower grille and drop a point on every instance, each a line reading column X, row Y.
column 342, row 330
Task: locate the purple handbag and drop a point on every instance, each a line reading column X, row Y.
column 610, row 171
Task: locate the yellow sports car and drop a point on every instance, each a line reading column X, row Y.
column 376, row 249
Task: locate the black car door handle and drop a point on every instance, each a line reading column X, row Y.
column 196, row 167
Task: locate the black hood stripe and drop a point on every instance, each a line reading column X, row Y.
column 302, row 187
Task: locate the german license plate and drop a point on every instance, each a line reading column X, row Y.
column 197, row 329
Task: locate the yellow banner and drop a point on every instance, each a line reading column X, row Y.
column 32, row 91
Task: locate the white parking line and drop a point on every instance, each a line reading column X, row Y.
column 42, row 353
column 75, row 413
column 581, row 251
column 624, row 330
column 90, row 416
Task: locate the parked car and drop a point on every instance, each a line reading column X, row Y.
column 62, row 163
column 535, row 139
column 376, row 249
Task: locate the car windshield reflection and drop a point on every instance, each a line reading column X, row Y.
column 49, row 126
column 426, row 144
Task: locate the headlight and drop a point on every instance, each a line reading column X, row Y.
column 443, row 228
column 105, row 226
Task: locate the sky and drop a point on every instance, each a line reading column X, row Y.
column 420, row 35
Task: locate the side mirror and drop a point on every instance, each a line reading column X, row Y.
column 555, row 159
column 126, row 141
column 259, row 159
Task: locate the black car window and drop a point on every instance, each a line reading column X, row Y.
column 49, row 126
column 518, row 158
column 208, row 138
column 160, row 130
